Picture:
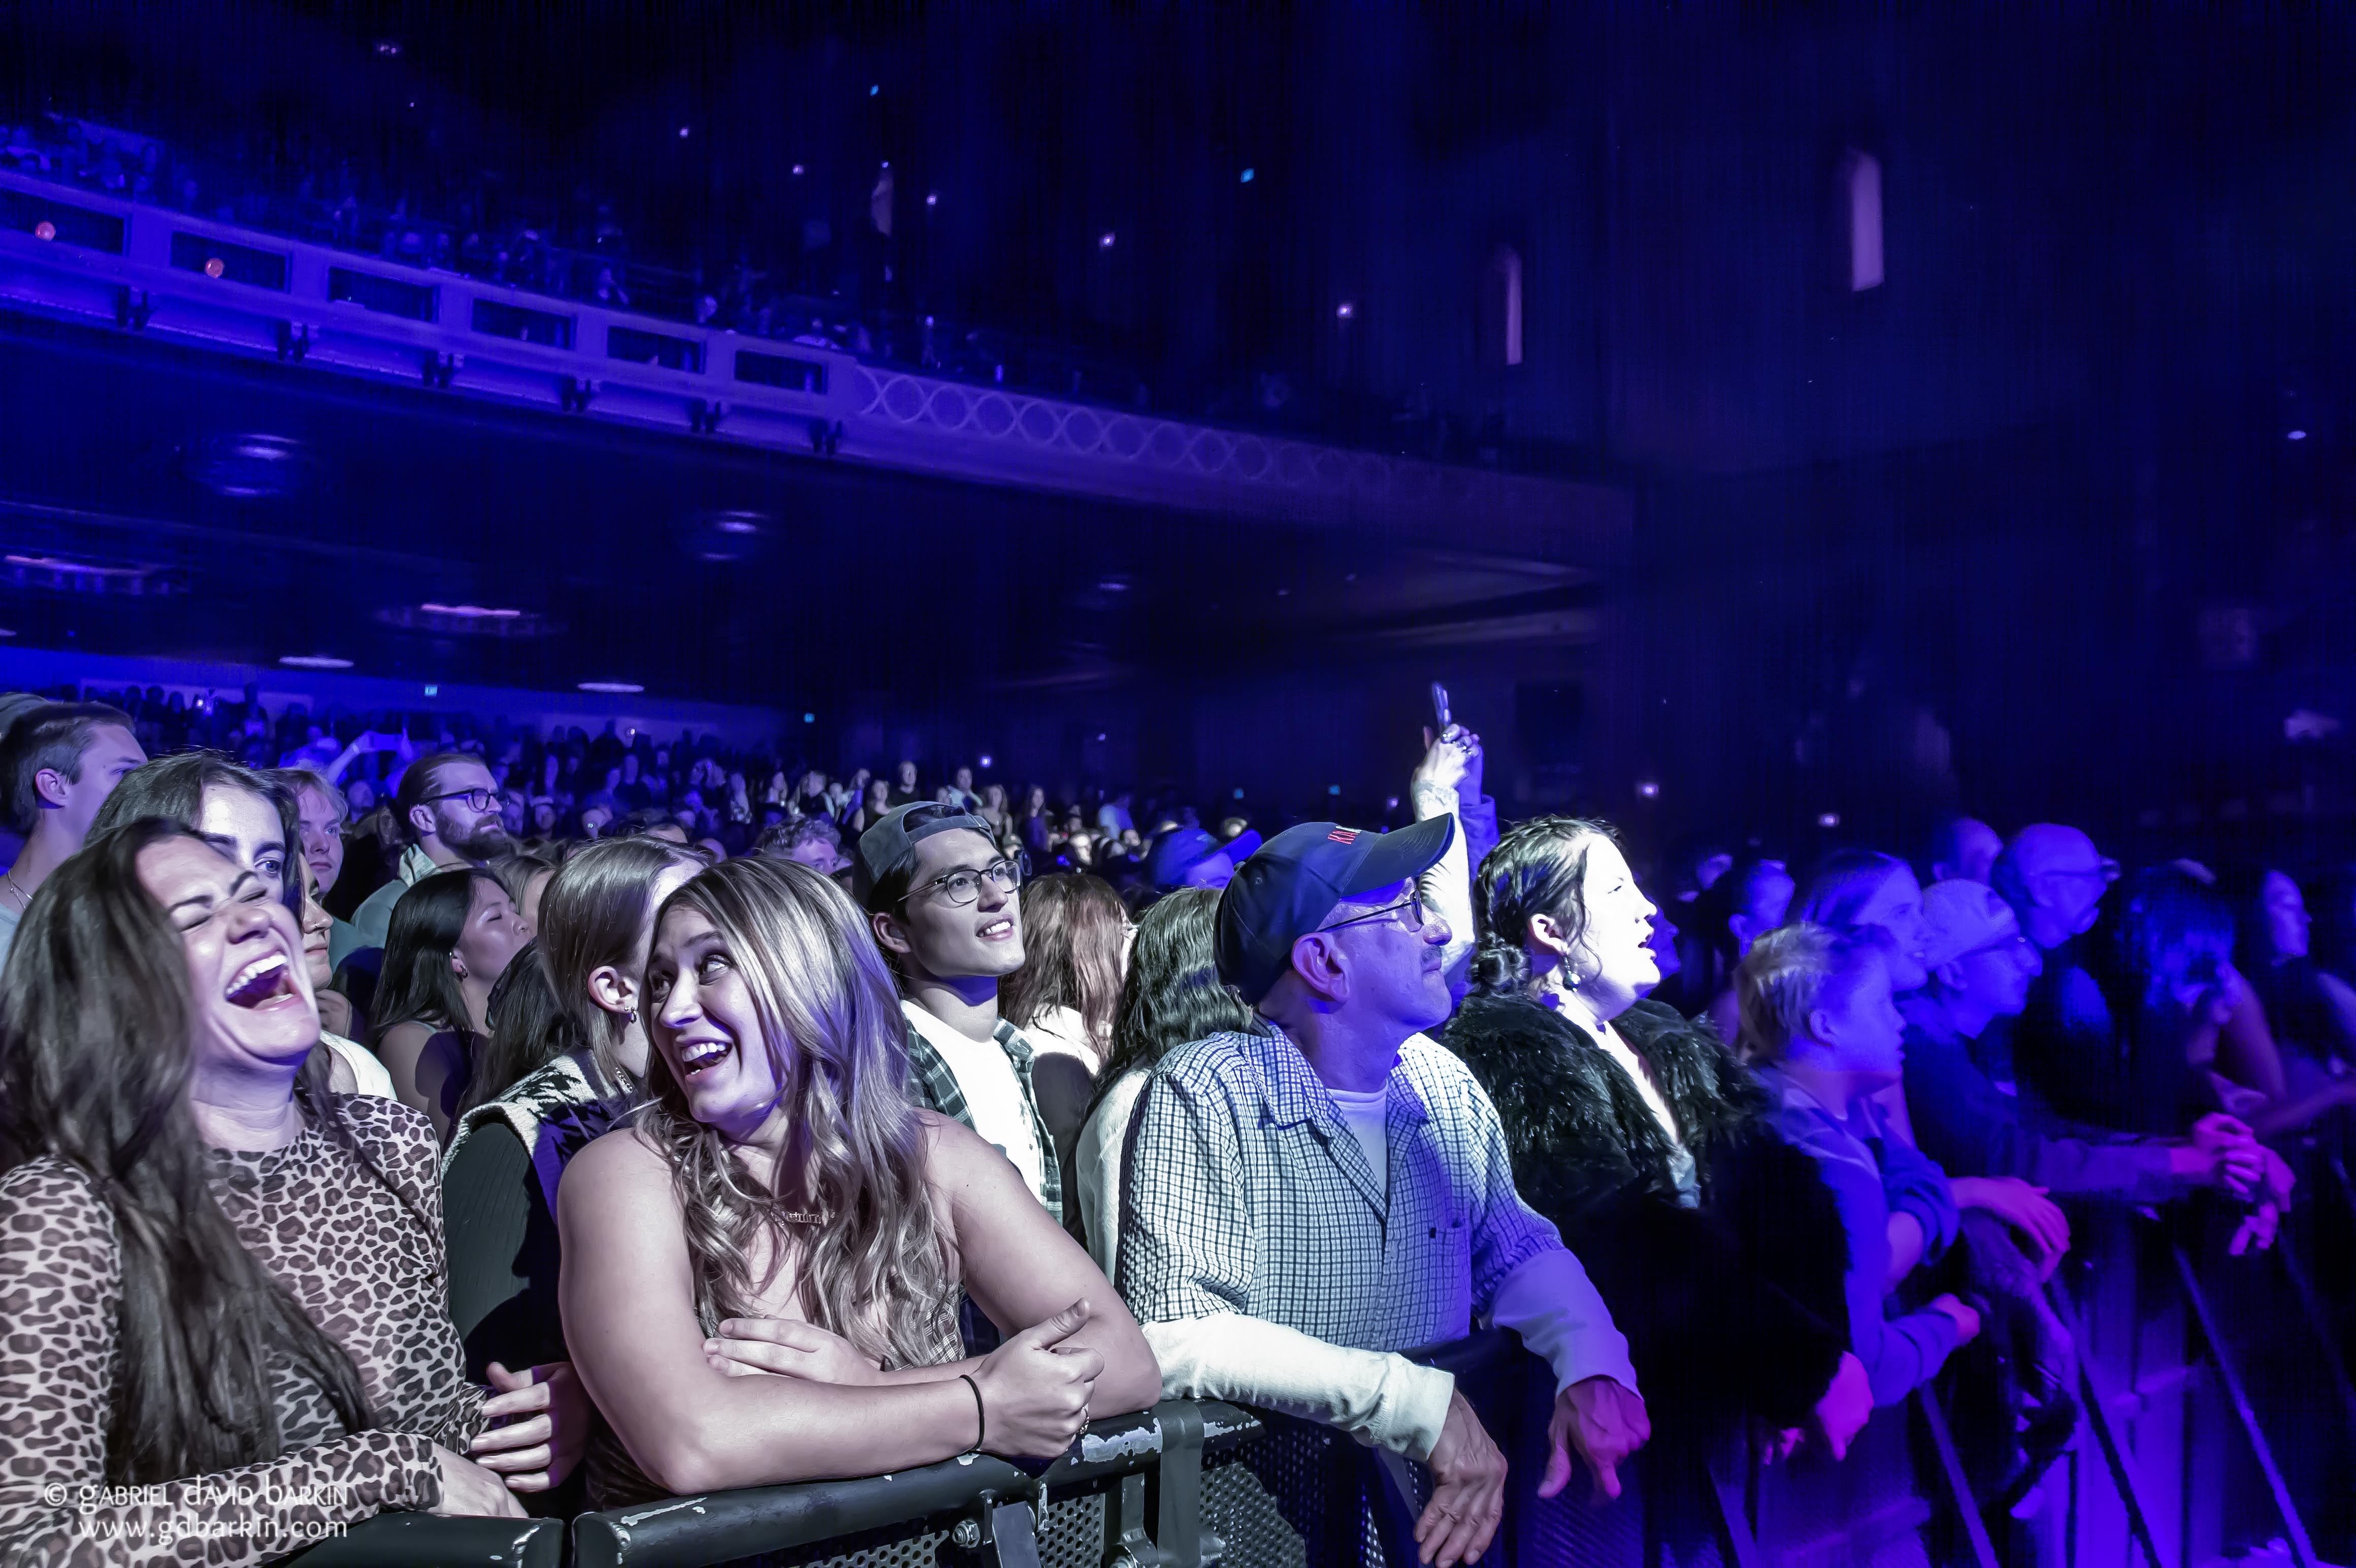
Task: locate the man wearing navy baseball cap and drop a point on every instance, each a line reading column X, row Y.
column 1303, row 1203
column 1189, row 857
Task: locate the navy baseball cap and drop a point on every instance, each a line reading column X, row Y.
column 1288, row 889
column 891, row 844
column 1180, row 849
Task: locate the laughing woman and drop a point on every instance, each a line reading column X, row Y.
column 780, row 1207
column 224, row 1281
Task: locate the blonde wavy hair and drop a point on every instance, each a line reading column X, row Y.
column 851, row 1201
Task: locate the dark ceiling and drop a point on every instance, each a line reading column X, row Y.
column 692, row 567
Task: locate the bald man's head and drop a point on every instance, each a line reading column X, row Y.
column 2054, row 879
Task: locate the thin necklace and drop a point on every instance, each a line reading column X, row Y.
column 23, row 898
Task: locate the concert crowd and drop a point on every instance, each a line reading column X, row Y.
column 451, row 1118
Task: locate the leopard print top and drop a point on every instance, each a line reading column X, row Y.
column 356, row 1257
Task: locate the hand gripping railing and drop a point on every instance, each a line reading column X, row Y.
column 1146, row 1469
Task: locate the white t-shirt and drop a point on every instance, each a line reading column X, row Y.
column 993, row 1096
column 1366, row 1117
column 1681, row 1160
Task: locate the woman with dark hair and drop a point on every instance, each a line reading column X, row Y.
column 1077, row 932
column 508, row 1154
column 779, row 1207
column 873, row 805
column 452, row 936
column 1171, row 996
column 1740, row 908
column 254, row 821
column 1646, row 1142
column 527, row 1030
column 223, row 1278
column 2310, row 1010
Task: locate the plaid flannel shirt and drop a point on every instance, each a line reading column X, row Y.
column 932, row 1085
column 1244, row 1191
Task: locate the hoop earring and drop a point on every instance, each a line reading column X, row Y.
column 634, row 1015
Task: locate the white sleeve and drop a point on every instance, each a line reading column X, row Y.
column 1383, row 1400
column 1447, row 887
column 1557, row 1310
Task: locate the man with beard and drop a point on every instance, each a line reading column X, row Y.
column 448, row 805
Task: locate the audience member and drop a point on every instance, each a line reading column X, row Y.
column 942, row 904
column 280, row 1360
column 780, row 1207
column 368, row 1074
column 1820, row 1030
column 448, row 807
column 252, row 819
column 1300, row 1205
column 2312, row 1011
column 525, row 876
column 508, row 1154
column 1744, row 905
column 1981, row 966
column 1964, row 849
column 1188, row 857
column 59, row 762
column 322, row 812
column 1077, row 934
column 814, row 841
column 1171, row 996
column 1632, row 1130
column 526, row 1030
column 452, row 936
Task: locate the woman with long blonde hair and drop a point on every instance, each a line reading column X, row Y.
column 780, row 1207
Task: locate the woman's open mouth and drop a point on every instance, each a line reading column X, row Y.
column 701, row 1055
column 266, row 980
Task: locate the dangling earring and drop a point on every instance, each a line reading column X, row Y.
column 634, row 1015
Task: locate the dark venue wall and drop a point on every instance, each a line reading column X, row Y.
column 2018, row 523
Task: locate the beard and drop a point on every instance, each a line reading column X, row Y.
column 486, row 841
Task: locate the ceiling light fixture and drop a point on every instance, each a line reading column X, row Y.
column 613, row 688
column 314, row 662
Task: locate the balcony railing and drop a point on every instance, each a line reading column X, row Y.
column 67, row 253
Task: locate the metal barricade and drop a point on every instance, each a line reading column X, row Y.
column 1128, row 1495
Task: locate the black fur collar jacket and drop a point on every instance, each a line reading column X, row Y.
column 1731, row 1307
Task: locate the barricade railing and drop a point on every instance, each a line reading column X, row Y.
column 1129, row 1492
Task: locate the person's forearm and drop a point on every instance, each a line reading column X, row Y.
column 1905, row 1248
column 1447, row 887
column 1383, row 1400
column 1560, row 1316
column 758, row 1432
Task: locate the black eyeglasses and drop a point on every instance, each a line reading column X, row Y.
column 1413, row 921
column 963, row 886
column 476, row 800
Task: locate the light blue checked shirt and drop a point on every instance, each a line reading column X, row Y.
column 1245, row 1192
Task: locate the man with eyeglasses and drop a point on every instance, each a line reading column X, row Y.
column 1301, row 1203
column 941, row 901
column 448, row 806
